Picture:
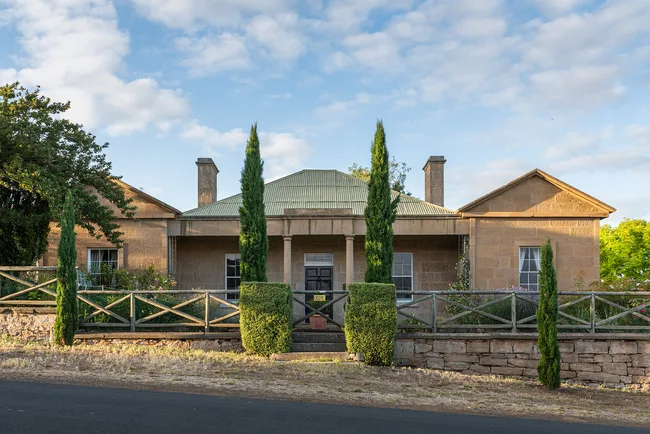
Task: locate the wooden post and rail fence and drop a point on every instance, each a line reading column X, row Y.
column 423, row 311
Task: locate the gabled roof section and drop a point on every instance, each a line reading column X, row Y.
column 316, row 189
column 147, row 197
column 563, row 187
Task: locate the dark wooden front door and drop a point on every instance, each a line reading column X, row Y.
column 319, row 279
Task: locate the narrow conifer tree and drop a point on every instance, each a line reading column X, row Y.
column 253, row 242
column 547, row 314
column 380, row 213
column 67, row 313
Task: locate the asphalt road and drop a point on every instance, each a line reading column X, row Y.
column 27, row 407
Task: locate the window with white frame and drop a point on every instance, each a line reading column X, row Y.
column 403, row 275
column 233, row 274
column 101, row 260
column 529, row 265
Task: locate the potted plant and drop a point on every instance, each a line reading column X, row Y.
column 317, row 321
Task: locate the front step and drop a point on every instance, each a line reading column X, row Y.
column 338, row 356
column 318, row 337
column 318, row 347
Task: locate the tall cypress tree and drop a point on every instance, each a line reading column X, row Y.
column 547, row 313
column 380, row 214
column 67, row 313
column 253, row 242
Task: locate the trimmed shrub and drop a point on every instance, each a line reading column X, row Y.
column 265, row 317
column 547, row 313
column 371, row 322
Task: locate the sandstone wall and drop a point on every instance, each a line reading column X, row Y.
column 27, row 323
column 145, row 237
column 495, row 244
column 200, row 261
column 613, row 360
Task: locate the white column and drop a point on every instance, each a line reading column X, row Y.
column 287, row 259
column 349, row 260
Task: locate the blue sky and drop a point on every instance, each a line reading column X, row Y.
column 497, row 87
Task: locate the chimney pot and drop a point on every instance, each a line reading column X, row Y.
column 207, row 181
column 434, row 180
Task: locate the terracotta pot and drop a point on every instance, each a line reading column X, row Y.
column 318, row 322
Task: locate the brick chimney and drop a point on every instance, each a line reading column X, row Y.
column 434, row 180
column 207, row 172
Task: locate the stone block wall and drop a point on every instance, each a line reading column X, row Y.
column 27, row 323
column 619, row 360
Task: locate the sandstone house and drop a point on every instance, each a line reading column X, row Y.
column 316, row 233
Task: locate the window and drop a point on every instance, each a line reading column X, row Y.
column 233, row 275
column 98, row 258
column 403, row 275
column 100, row 262
column 529, row 265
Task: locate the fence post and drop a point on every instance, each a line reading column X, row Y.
column 513, row 312
column 592, row 312
column 207, row 312
column 132, row 311
column 434, row 314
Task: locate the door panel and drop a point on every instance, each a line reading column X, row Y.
column 319, row 279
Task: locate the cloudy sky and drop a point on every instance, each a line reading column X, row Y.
column 497, row 87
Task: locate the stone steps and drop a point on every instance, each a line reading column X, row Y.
column 318, row 337
column 318, row 347
column 322, row 356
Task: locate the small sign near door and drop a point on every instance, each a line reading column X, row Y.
column 319, row 297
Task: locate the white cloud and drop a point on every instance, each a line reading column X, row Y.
column 559, row 7
column 344, row 108
column 278, row 34
column 189, row 14
column 285, row 95
column 573, row 143
column 74, row 50
column 374, row 50
column 481, row 28
column 630, row 158
column 211, row 138
column 336, row 61
column 283, row 153
column 639, row 133
column 579, row 87
column 206, row 55
column 347, row 16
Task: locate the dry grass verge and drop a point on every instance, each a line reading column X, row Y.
column 197, row 371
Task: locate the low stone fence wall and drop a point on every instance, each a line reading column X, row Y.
column 613, row 359
column 27, row 323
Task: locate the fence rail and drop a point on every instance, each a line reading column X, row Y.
column 516, row 311
column 138, row 310
column 432, row 311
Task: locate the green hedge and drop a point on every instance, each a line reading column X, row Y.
column 371, row 321
column 266, row 317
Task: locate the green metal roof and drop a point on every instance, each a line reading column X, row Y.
column 317, row 189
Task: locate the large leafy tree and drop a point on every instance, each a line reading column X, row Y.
column 380, row 214
column 625, row 251
column 67, row 312
column 547, row 314
column 43, row 156
column 397, row 171
column 253, row 241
